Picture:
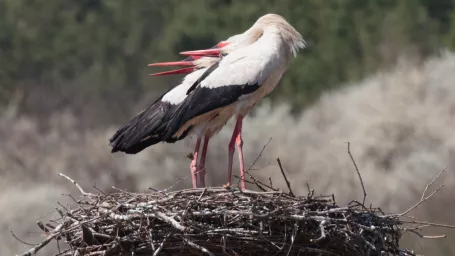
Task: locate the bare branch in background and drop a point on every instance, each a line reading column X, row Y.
column 423, row 198
column 284, row 175
column 358, row 173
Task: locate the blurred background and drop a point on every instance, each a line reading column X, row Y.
column 379, row 74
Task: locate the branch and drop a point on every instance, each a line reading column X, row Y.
column 196, row 246
column 421, row 201
column 358, row 173
column 431, row 182
column 39, row 246
column 285, row 178
column 260, row 154
column 423, row 198
column 77, row 185
column 322, row 227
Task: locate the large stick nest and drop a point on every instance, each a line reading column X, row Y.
column 221, row 221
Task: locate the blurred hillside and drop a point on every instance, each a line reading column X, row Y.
column 376, row 73
column 88, row 54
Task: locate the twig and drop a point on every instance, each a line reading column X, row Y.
column 358, row 173
column 77, row 185
column 285, row 178
column 155, row 253
column 427, row 237
column 260, row 154
column 431, row 224
column 322, row 228
column 431, row 182
column 21, row 240
column 421, row 201
column 175, row 184
column 39, row 246
column 170, row 221
column 196, row 246
column 294, row 234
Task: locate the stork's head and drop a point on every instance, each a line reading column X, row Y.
column 272, row 23
column 278, row 24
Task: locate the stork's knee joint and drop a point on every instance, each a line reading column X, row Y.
column 239, row 141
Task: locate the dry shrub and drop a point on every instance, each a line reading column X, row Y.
column 400, row 125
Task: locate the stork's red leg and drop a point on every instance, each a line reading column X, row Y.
column 231, row 150
column 239, row 143
column 193, row 165
column 202, row 160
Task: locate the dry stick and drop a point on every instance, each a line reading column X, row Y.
column 432, row 224
column 427, row 237
column 170, row 221
column 431, row 182
column 294, row 234
column 260, row 154
column 196, row 246
column 162, row 244
column 322, row 228
column 256, row 182
column 39, row 246
column 358, row 173
column 175, row 184
column 285, row 178
column 21, row 240
column 77, row 185
column 421, row 201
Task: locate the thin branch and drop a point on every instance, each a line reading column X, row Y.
column 421, row 201
column 260, row 154
column 39, row 246
column 431, row 182
column 21, row 240
column 322, row 228
column 196, row 246
column 170, row 221
column 430, row 224
column 358, row 173
column 155, row 253
column 77, row 185
column 427, row 237
column 285, row 178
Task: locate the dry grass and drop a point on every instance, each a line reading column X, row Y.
column 400, row 126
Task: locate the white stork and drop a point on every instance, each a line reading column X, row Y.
column 252, row 68
column 146, row 128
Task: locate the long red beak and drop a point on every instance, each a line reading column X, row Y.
column 173, row 72
column 186, row 62
column 208, row 52
column 175, row 63
column 216, row 50
column 193, row 55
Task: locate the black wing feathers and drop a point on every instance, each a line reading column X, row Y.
column 203, row 100
column 143, row 130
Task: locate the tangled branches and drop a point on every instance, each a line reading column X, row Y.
column 221, row 221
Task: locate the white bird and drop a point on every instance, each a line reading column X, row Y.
column 232, row 86
column 146, row 128
column 253, row 66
